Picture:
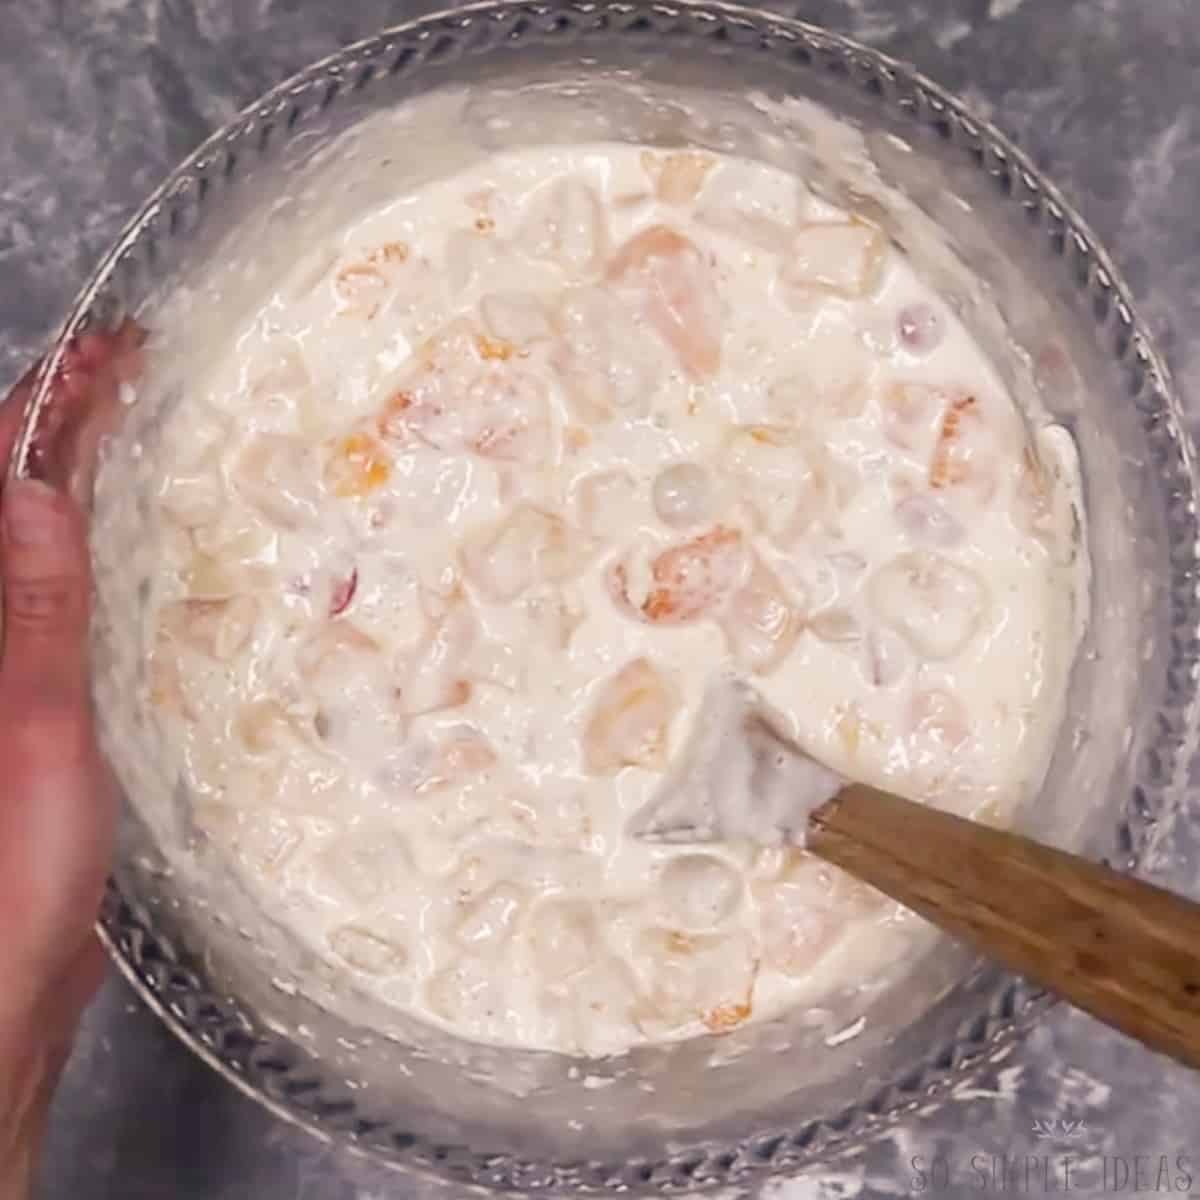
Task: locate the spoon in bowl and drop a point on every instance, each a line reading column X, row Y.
column 1123, row 950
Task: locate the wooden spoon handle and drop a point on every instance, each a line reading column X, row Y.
column 1123, row 950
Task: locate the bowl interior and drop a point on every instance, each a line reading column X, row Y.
column 1028, row 281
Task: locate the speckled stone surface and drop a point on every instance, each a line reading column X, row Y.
column 101, row 97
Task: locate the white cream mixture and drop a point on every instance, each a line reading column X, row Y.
column 451, row 541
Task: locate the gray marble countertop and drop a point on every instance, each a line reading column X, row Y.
column 101, row 98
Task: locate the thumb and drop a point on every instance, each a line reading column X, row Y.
column 47, row 592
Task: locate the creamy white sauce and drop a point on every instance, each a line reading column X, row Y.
column 452, row 540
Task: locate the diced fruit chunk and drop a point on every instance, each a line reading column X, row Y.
column 699, row 891
column 357, row 465
column 678, row 176
column 761, row 622
column 677, row 293
column 629, row 724
column 563, row 938
column 686, row 582
column 528, row 547
column 933, row 603
column 565, row 225
column 844, row 258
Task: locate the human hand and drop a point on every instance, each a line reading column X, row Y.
column 57, row 807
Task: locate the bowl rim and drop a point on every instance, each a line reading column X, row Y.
column 129, row 936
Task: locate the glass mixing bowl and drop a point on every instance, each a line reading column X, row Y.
column 1035, row 289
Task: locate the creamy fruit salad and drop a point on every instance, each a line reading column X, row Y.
column 445, row 547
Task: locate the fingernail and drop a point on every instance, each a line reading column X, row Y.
column 31, row 512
